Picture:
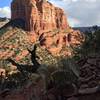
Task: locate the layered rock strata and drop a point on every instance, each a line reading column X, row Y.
column 38, row 15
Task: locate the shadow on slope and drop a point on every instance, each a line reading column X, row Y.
column 19, row 23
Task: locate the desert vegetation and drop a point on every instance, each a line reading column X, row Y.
column 61, row 78
column 43, row 58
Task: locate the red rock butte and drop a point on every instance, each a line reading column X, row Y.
column 42, row 17
column 38, row 15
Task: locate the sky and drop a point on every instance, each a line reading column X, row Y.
column 79, row 12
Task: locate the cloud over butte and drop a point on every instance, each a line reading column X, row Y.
column 81, row 12
column 5, row 12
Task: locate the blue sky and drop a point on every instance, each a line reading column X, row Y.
column 4, row 3
column 78, row 12
column 5, row 8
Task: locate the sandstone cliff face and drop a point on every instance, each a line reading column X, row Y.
column 39, row 15
column 43, row 18
column 60, row 42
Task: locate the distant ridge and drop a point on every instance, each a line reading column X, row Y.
column 87, row 29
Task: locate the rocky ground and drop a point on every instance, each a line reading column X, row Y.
column 90, row 68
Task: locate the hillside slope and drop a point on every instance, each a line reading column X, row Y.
column 15, row 42
column 52, row 33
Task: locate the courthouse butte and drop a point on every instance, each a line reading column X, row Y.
column 39, row 15
column 42, row 19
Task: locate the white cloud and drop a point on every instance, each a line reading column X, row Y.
column 79, row 12
column 87, row 12
column 5, row 12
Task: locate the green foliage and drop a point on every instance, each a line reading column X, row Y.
column 17, row 51
column 90, row 46
column 67, row 73
column 60, row 70
column 97, row 40
column 68, row 64
column 2, row 31
column 13, row 81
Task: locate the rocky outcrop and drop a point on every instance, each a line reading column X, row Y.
column 38, row 15
column 61, row 41
column 89, row 71
column 48, row 23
